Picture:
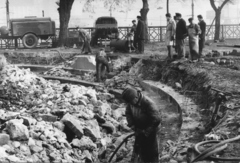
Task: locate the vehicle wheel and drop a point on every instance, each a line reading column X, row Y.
column 30, row 41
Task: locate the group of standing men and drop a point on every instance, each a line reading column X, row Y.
column 177, row 31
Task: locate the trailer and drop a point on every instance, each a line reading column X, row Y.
column 30, row 30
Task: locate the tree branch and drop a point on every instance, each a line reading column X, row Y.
column 224, row 3
column 213, row 5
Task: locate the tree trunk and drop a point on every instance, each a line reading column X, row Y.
column 218, row 17
column 64, row 10
column 167, row 6
column 144, row 11
column 217, row 24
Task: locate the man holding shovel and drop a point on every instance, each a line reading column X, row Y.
column 144, row 118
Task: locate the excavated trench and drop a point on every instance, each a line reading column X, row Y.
column 175, row 127
column 182, row 119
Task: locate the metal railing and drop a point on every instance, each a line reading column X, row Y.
column 155, row 34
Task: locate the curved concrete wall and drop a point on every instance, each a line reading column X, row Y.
column 166, row 95
column 189, row 111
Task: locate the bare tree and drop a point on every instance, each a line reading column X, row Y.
column 109, row 4
column 218, row 11
column 64, row 10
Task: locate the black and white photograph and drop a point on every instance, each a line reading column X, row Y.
column 120, row 81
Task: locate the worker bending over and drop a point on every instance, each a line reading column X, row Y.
column 144, row 118
column 85, row 37
column 101, row 64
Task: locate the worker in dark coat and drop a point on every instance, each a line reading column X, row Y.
column 101, row 64
column 202, row 25
column 181, row 34
column 140, row 34
column 133, row 31
column 144, row 118
column 85, row 37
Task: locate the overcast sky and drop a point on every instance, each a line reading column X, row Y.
column 156, row 16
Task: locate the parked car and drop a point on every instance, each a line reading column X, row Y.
column 105, row 28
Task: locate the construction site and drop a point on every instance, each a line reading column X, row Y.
column 54, row 109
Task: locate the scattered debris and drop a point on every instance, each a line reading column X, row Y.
column 46, row 121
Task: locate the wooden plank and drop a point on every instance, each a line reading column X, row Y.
column 72, row 81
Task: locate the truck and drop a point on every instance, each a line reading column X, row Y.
column 106, row 27
column 29, row 30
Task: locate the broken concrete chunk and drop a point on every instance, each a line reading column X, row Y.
column 74, row 124
column 118, row 113
column 114, row 106
column 87, row 156
column 48, row 117
column 92, row 130
column 35, row 149
column 4, row 139
column 25, row 149
column 59, row 125
column 109, row 127
column 85, row 63
column 99, row 119
column 16, row 144
column 31, row 142
column 103, row 109
column 82, row 102
column 17, row 130
column 84, row 144
column 27, row 121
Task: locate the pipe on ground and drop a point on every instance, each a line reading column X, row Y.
column 121, row 45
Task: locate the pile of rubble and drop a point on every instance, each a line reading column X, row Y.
column 46, row 121
column 123, row 80
column 60, row 72
column 121, row 63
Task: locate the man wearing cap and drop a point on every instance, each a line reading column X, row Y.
column 140, row 34
column 133, row 31
column 193, row 32
column 181, row 34
column 170, row 34
column 85, row 37
column 144, row 118
column 202, row 25
column 101, row 64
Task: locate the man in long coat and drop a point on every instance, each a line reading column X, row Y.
column 170, row 34
column 181, row 34
column 193, row 33
column 140, row 34
column 144, row 118
column 83, row 35
column 202, row 25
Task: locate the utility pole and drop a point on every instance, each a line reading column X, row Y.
column 7, row 13
column 193, row 9
column 167, row 6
